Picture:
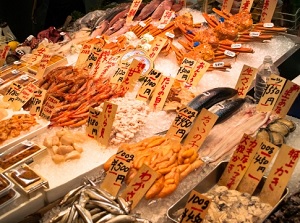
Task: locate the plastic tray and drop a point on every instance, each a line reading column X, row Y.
column 207, row 183
column 8, row 198
column 8, row 184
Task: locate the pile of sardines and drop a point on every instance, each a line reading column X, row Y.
column 90, row 204
column 287, row 212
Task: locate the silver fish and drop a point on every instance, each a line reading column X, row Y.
column 97, row 196
column 99, row 215
column 71, row 214
column 122, row 219
column 70, row 194
column 60, row 215
column 85, row 214
column 108, row 207
column 83, row 198
column 104, row 193
column 106, row 218
column 126, row 206
column 94, row 210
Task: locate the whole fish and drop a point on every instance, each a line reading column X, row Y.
column 103, row 26
column 60, row 215
column 118, row 25
column 122, row 219
column 211, row 97
column 225, row 109
column 159, row 11
column 148, row 10
column 104, row 193
column 126, row 206
column 105, row 218
column 71, row 194
column 176, row 7
column 120, row 15
column 89, row 19
column 108, row 207
column 99, row 215
column 85, row 214
column 96, row 196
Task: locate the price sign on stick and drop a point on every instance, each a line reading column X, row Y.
column 271, row 93
column 37, row 55
column 156, row 47
column 259, row 164
column 227, row 5
column 132, row 75
column 120, row 74
column 196, row 208
column 92, row 127
column 279, row 175
column 37, row 101
column 12, row 92
column 139, row 185
column 84, row 53
column 133, row 9
column 245, row 80
column 43, row 65
column 200, row 129
column 149, row 83
column 106, row 120
column 268, row 10
column 246, row 5
column 92, row 58
column 166, row 17
column 286, row 98
column 49, row 107
column 4, row 49
column 23, row 96
column 185, row 69
column 161, row 92
column 239, row 162
column 183, row 121
column 117, row 172
column 106, row 62
column 197, row 73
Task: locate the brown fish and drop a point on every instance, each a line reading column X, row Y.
column 148, row 10
column 118, row 25
column 100, row 29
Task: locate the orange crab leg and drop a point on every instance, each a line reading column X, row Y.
column 222, row 13
column 212, row 23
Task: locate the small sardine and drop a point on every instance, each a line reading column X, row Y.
column 122, row 219
column 60, row 215
column 70, row 194
column 96, row 196
column 85, row 214
column 105, row 218
column 108, row 207
column 99, row 215
column 94, row 210
column 104, row 193
column 126, row 206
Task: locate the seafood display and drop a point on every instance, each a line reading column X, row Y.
column 276, row 131
column 287, row 211
column 234, row 206
column 64, row 145
column 77, row 91
column 13, row 126
column 128, row 120
column 167, row 157
column 89, row 203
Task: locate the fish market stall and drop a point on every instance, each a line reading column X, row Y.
column 67, row 153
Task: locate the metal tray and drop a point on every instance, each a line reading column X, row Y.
column 207, row 183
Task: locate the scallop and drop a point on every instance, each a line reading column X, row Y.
column 288, row 123
column 263, row 134
column 279, row 127
column 277, row 138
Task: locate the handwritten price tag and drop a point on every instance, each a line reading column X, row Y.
column 92, row 128
column 84, row 53
column 227, row 5
column 268, row 10
column 246, row 5
column 133, row 9
column 43, row 65
column 198, row 72
column 149, row 83
column 106, row 120
column 117, row 172
column 182, row 123
column 185, row 69
column 49, row 107
column 286, row 98
column 12, row 92
column 259, row 164
column 166, row 17
column 37, row 101
column 139, row 185
column 196, row 208
column 271, row 93
column 239, row 162
column 156, row 47
column 92, row 58
column 245, row 80
column 37, row 55
column 279, row 175
column 120, row 74
column 201, row 128
column 161, row 92
column 23, row 96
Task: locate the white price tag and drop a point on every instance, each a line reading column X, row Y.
column 236, row 45
column 218, row 64
column 14, row 71
column 229, row 53
column 171, row 35
column 142, row 24
column 24, row 77
column 268, row 24
column 254, row 34
column 161, row 26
